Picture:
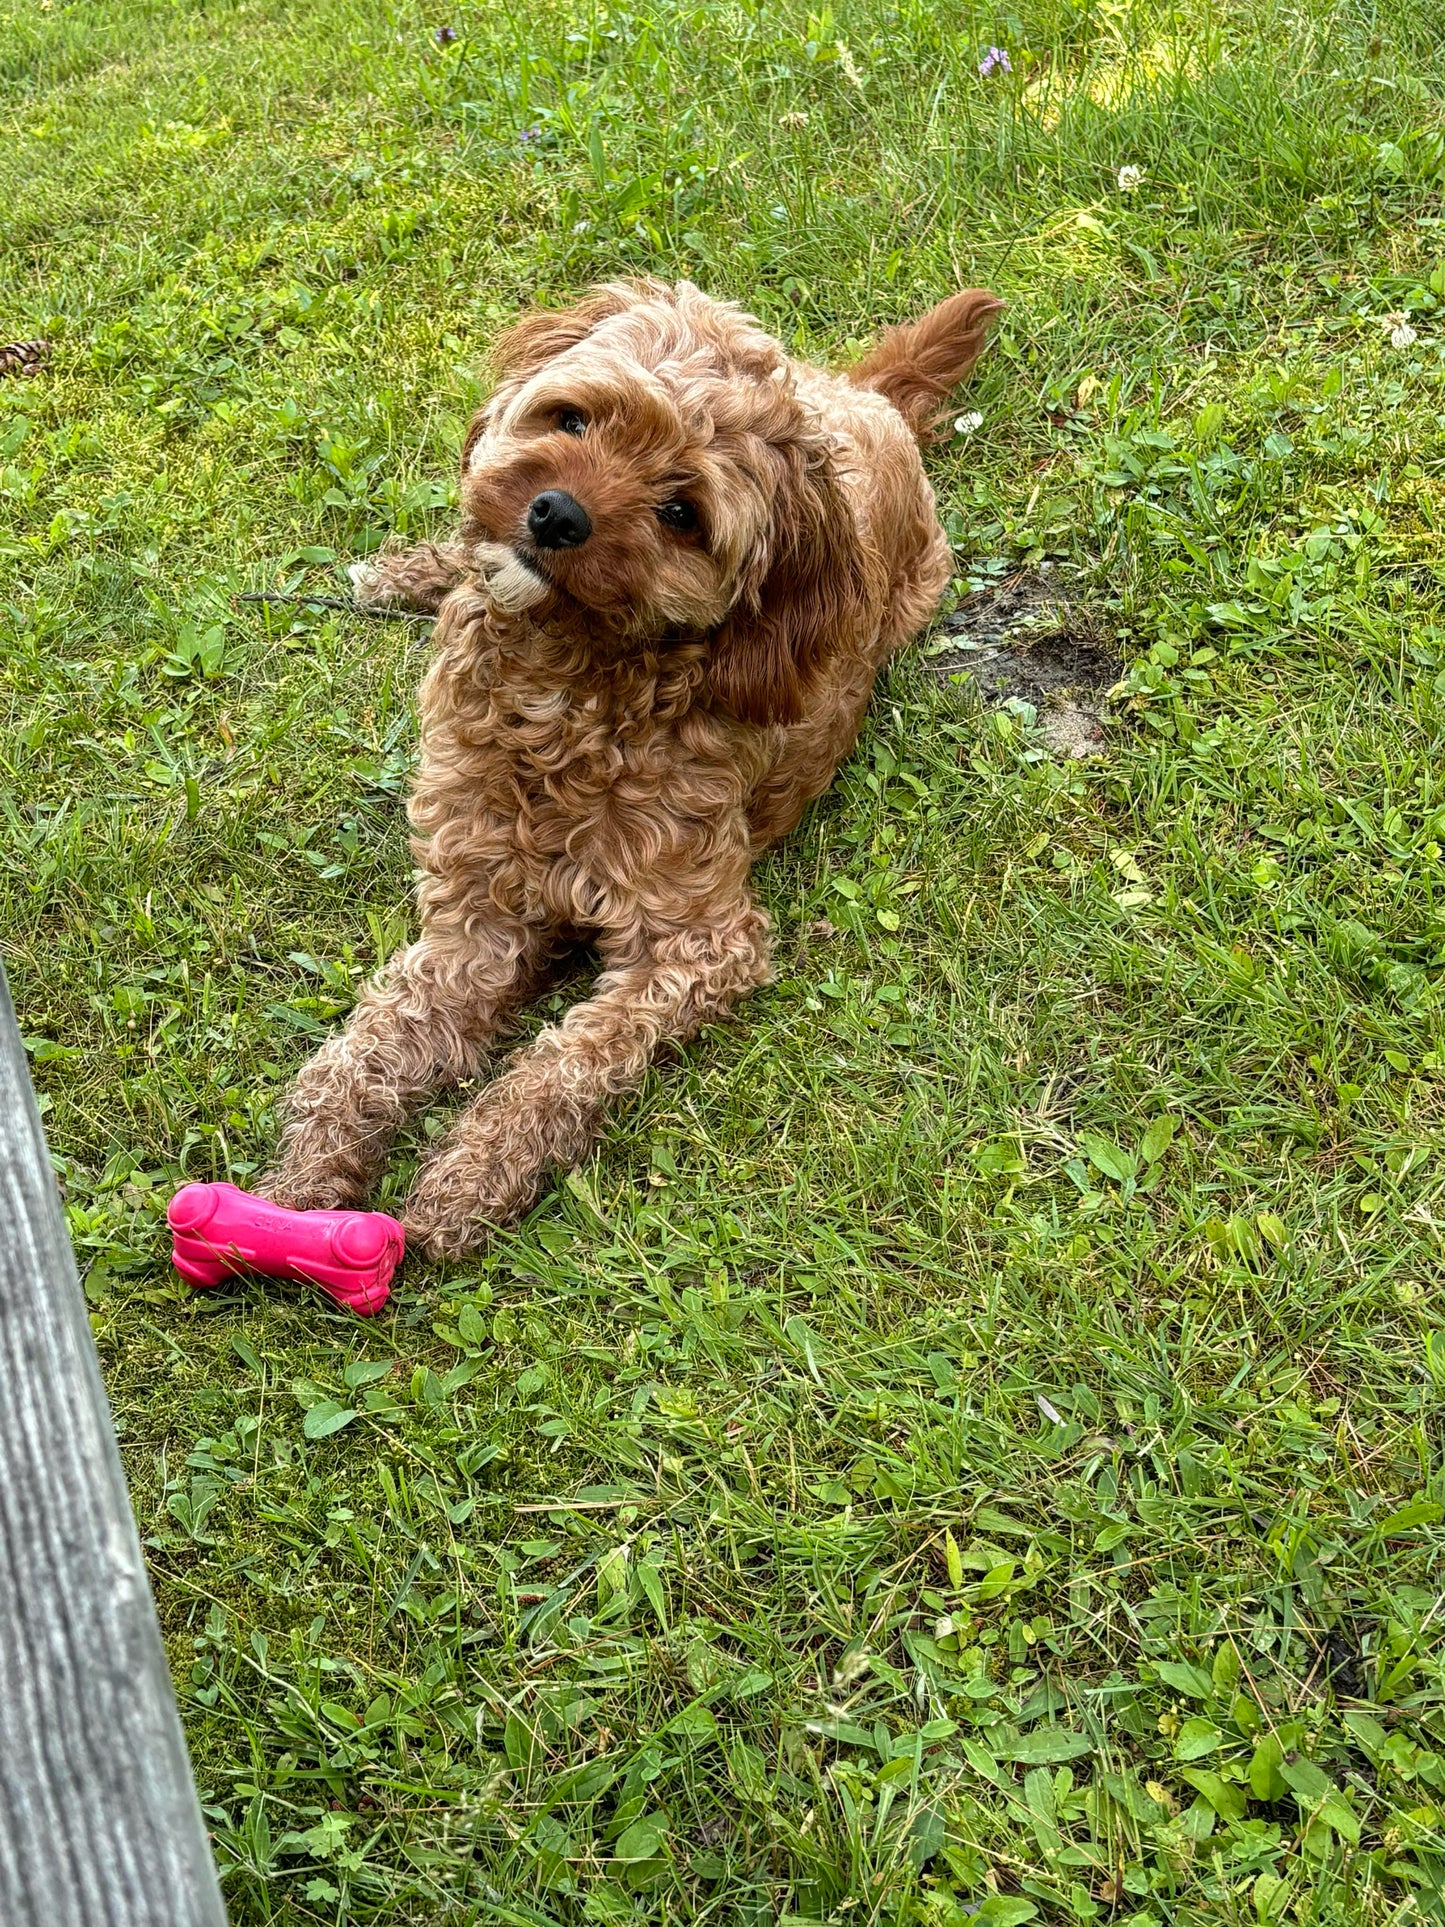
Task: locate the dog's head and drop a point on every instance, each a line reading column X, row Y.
column 645, row 470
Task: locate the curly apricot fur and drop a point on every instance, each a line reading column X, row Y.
column 611, row 733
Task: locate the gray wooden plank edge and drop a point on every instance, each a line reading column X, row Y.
column 99, row 1821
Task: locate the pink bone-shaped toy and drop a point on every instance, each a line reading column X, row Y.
column 220, row 1232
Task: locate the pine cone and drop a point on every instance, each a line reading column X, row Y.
column 23, row 357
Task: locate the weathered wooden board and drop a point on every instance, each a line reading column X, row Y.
column 99, row 1821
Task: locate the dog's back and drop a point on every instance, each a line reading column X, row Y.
column 878, row 413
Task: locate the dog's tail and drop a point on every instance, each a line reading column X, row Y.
column 917, row 364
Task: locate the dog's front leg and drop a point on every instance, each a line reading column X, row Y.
column 543, row 1112
column 415, row 579
column 418, row 1027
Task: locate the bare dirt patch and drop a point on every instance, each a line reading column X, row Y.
column 1023, row 642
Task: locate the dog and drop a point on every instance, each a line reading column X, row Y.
column 682, row 559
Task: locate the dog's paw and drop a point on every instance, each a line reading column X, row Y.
column 447, row 1244
column 445, row 1235
column 371, row 586
column 319, row 1188
column 456, row 1204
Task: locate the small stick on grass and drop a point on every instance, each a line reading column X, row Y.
column 332, row 602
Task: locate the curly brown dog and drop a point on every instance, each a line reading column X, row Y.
column 682, row 559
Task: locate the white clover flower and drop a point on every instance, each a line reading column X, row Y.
column 1130, row 178
column 966, row 424
column 794, row 119
column 1402, row 335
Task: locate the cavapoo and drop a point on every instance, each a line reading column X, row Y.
column 683, row 558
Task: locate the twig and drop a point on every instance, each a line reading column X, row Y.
column 334, row 602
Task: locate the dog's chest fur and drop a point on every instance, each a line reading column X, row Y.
column 576, row 796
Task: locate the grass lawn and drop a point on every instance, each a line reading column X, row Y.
column 969, row 1448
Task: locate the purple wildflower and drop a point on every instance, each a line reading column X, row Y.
column 444, row 36
column 995, row 58
column 529, row 136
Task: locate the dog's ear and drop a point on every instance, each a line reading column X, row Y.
column 808, row 595
column 529, row 344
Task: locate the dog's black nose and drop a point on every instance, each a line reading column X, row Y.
column 558, row 521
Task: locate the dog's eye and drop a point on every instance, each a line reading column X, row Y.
column 571, row 421
column 679, row 516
